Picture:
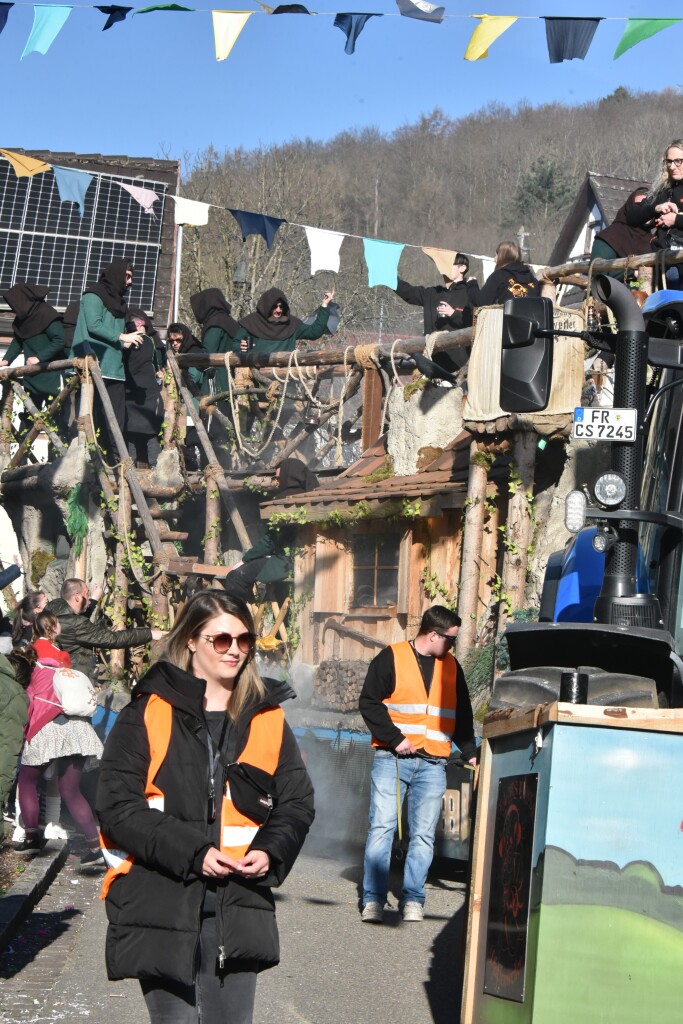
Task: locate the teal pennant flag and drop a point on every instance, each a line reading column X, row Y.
column 638, row 29
column 382, row 261
column 48, row 19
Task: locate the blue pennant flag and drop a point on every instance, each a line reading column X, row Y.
column 114, row 15
column 4, row 14
column 72, row 185
column 352, row 25
column 257, row 224
column 48, row 20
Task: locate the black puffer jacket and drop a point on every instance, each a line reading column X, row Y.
column 154, row 910
column 81, row 638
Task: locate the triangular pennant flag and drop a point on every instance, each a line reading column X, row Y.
column 191, row 211
column 72, row 185
column 421, row 10
column 266, row 9
column 443, row 258
column 227, row 25
column 25, row 166
column 491, row 26
column 569, row 38
column 257, row 224
column 324, row 246
column 382, row 261
column 291, row 9
column 161, row 7
column 146, row 197
column 639, row 29
column 48, row 19
column 352, row 25
column 115, row 14
column 488, row 265
column 4, row 14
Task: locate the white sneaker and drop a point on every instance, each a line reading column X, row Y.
column 372, row 913
column 413, row 911
column 19, row 834
column 53, row 831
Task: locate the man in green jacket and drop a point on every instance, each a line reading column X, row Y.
column 80, row 637
column 13, row 718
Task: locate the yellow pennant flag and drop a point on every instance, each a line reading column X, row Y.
column 227, row 25
column 491, row 26
column 443, row 258
column 25, row 166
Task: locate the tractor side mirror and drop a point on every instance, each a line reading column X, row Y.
column 526, row 361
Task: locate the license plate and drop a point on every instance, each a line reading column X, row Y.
column 596, row 424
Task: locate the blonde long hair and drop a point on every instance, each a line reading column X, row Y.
column 205, row 605
column 663, row 181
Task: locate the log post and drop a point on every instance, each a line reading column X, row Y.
column 117, row 661
column 372, row 407
column 212, row 532
column 518, row 526
column 221, row 482
column 35, row 430
column 6, row 428
column 473, row 531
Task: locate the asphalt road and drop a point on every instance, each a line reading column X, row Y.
column 334, row 969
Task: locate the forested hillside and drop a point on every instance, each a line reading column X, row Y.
column 465, row 184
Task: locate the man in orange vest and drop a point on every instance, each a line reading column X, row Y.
column 415, row 703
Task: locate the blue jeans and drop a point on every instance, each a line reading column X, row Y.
column 426, row 785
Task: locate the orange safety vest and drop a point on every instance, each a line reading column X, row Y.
column 262, row 751
column 427, row 721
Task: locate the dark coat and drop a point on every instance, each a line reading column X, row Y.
column 13, row 718
column 80, row 637
column 144, row 407
column 50, row 344
column 514, row 281
column 455, row 294
column 154, row 910
column 625, row 238
column 639, row 214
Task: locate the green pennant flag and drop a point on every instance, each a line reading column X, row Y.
column 163, row 7
column 638, row 29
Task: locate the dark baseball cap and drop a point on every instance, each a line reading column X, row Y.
column 461, row 258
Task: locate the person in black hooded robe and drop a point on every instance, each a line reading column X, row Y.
column 143, row 366
column 272, row 328
column 220, row 332
column 182, row 341
column 268, row 560
column 38, row 335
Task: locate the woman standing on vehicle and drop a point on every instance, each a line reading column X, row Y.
column 204, row 804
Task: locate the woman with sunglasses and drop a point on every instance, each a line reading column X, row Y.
column 272, row 328
column 204, row 803
column 664, row 205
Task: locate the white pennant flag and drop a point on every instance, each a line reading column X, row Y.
column 227, row 26
column 487, row 266
column 190, row 211
column 324, row 246
column 146, row 197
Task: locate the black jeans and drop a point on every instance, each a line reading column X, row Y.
column 225, row 998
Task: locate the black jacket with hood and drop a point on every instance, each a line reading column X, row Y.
column 154, row 909
column 455, row 294
column 513, row 281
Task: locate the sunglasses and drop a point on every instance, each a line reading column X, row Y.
column 222, row 642
column 450, row 640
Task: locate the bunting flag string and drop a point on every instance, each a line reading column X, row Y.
column 567, row 38
column 382, row 261
column 324, row 246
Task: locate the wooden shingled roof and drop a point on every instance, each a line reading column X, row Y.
column 440, row 485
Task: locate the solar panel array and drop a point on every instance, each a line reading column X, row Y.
column 45, row 241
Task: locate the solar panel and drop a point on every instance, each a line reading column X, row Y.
column 45, row 241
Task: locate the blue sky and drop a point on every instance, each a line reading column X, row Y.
column 152, row 86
